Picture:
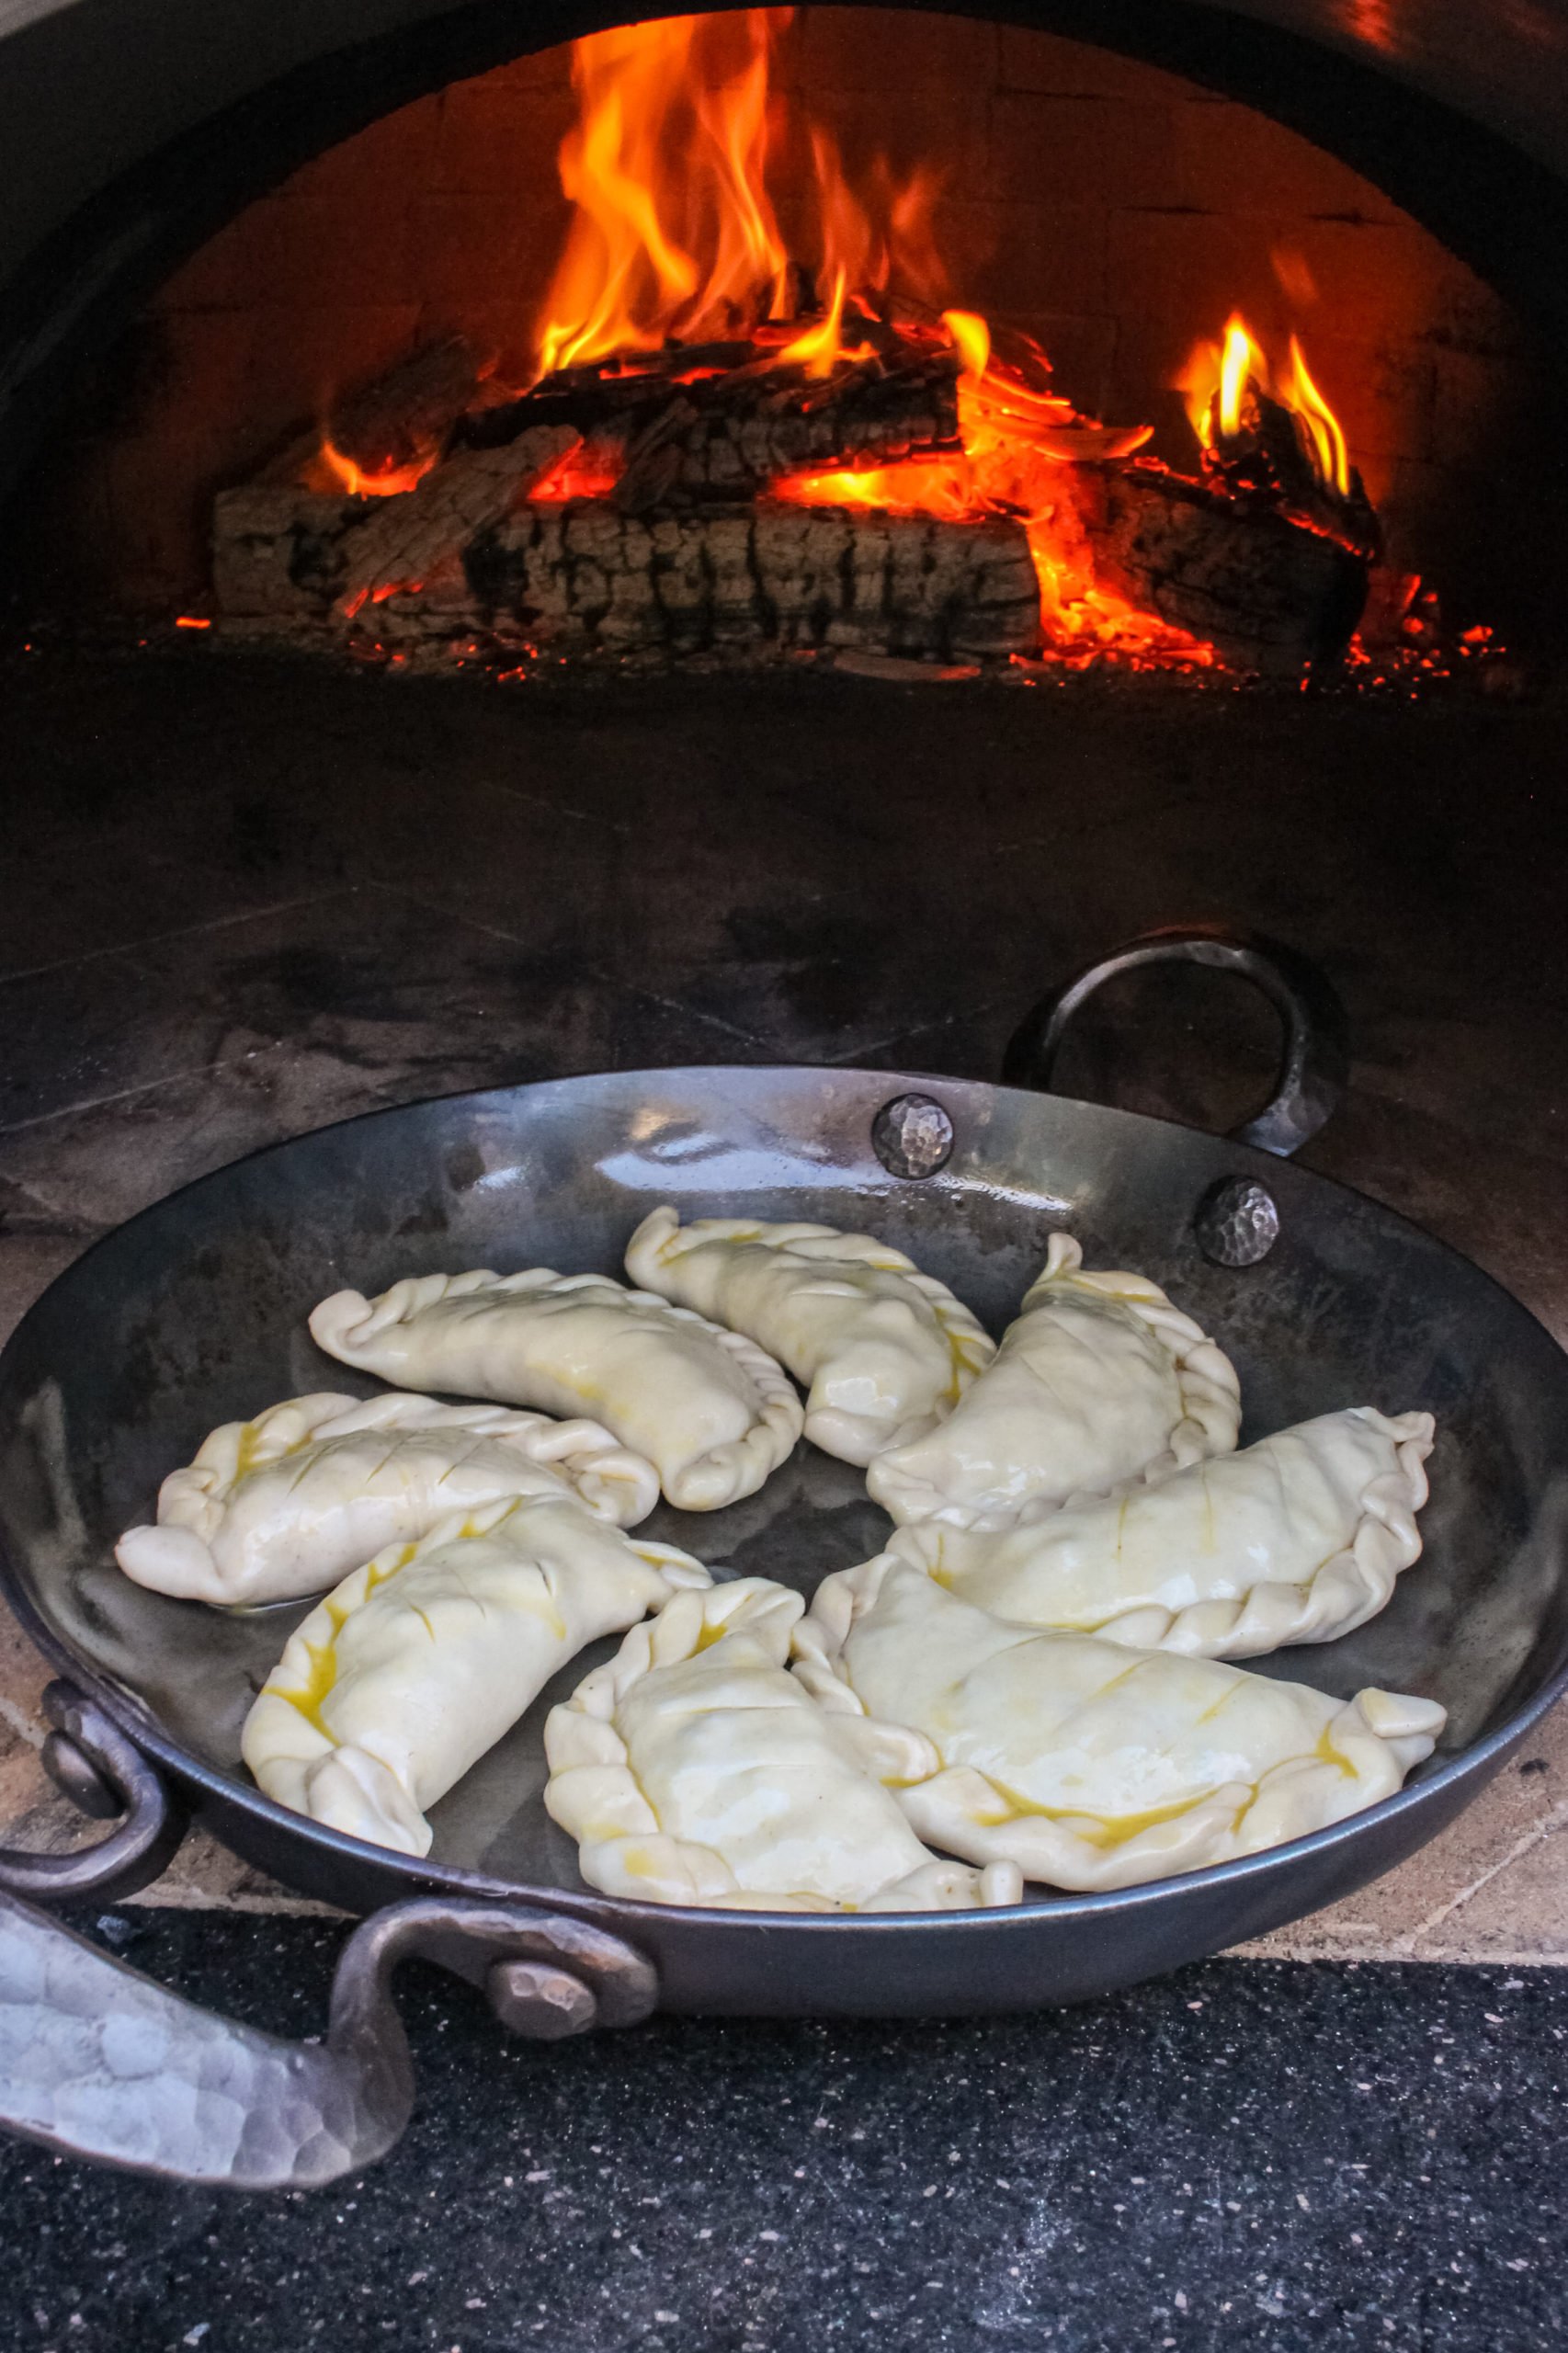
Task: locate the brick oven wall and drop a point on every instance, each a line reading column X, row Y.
column 1116, row 211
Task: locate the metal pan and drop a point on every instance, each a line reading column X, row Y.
column 194, row 1313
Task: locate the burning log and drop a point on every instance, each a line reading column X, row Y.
column 405, row 414
column 405, row 538
column 707, row 427
column 581, row 574
column 1270, row 594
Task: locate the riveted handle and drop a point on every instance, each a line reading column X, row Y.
column 99, row 2061
column 1315, row 1059
column 103, row 1774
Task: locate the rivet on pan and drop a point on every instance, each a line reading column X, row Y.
column 547, row 2005
column 913, row 1136
column 1237, row 1222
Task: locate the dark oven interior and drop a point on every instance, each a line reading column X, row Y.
column 1269, row 383
column 279, row 860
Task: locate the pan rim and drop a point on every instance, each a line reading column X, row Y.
column 1474, row 1764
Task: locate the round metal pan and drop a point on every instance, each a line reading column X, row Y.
column 194, row 1313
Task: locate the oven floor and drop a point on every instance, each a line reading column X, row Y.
column 245, row 897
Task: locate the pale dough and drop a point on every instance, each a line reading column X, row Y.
column 710, row 1412
column 884, row 1350
column 693, row 1768
column 1296, row 1540
column 400, row 1680
column 1100, row 1380
column 1089, row 1765
column 286, row 1504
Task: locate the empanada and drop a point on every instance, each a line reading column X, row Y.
column 1296, row 1540
column 286, row 1504
column 1099, row 1381
column 712, row 1413
column 884, row 1350
column 693, row 1768
column 399, row 1681
column 1088, row 1764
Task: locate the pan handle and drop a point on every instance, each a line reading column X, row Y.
column 99, row 2061
column 103, row 1774
column 1314, row 1061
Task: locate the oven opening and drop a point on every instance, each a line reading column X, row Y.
column 856, row 336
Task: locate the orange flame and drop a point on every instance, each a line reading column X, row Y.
column 1331, row 458
column 386, row 482
column 1216, row 378
column 673, row 234
column 821, row 348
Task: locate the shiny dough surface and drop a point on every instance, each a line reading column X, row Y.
column 1099, row 1379
column 1298, row 1538
column 400, row 1680
column 1090, row 1764
column 693, row 1768
column 286, row 1504
column 706, row 1407
column 884, row 1350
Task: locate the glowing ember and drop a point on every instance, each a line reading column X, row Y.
column 583, row 472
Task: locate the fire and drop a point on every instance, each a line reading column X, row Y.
column 674, row 233
column 1329, row 453
column 385, row 482
column 676, row 269
column 674, row 236
column 1222, row 381
column 821, row 348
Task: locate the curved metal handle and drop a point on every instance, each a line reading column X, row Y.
column 103, row 1774
column 97, row 2061
column 1316, row 1054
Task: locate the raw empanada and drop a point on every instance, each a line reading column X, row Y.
column 286, row 1504
column 694, row 1768
column 399, row 1681
column 1296, row 1540
column 712, row 1413
column 1098, row 1382
column 1088, row 1764
column 884, row 1350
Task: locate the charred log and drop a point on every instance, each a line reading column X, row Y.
column 405, row 538
column 582, row 575
column 1270, row 594
column 586, row 574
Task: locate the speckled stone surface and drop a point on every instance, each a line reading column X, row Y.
column 1249, row 2154
column 243, row 900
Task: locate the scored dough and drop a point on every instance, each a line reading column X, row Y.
column 1296, row 1540
column 1088, row 1764
column 1097, row 1382
column 710, row 1412
column 400, row 1680
column 286, row 1504
column 693, row 1768
column 884, row 1350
